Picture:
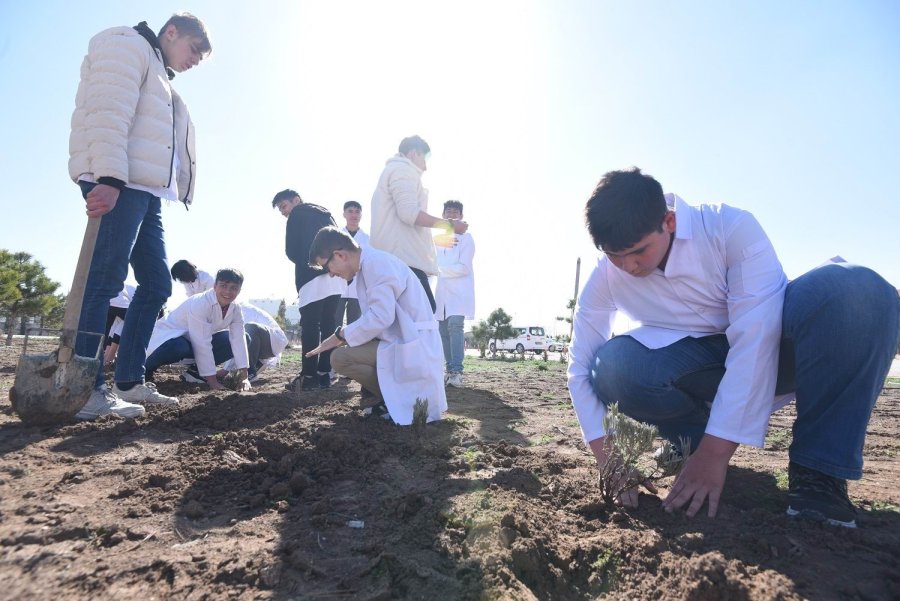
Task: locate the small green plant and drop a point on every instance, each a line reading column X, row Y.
column 543, row 439
column 605, row 568
column 628, row 440
column 778, row 439
column 781, row 479
column 420, row 416
column 884, row 506
column 542, row 366
column 471, row 456
column 96, row 536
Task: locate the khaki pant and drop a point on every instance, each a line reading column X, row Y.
column 358, row 364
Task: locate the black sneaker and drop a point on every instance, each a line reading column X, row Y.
column 302, row 384
column 378, row 410
column 325, row 381
column 820, row 497
column 192, row 376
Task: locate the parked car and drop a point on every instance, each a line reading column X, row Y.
column 531, row 339
column 554, row 346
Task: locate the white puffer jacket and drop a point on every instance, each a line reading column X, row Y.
column 395, row 206
column 126, row 116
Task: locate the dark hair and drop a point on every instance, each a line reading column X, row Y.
column 352, row 204
column 188, row 24
column 286, row 194
column 184, row 271
column 624, row 207
column 230, row 275
column 414, row 143
column 453, row 204
column 328, row 240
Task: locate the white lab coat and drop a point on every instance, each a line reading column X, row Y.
column 123, row 299
column 455, row 292
column 277, row 338
column 396, row 311
column 203, row 283
column 199, row 317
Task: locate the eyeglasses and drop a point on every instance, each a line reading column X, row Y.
column 325, row 264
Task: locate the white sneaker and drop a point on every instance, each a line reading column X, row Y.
column 105, row 402
column 455, row 380
column 145, row 394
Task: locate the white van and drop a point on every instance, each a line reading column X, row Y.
column 531, row 338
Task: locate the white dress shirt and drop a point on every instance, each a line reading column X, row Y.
column 455, row 292
column 722, row 276
column 362, row 240
column 198, row 318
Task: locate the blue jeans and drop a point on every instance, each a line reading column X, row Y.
column 131, row 233
column 452, row 337
column 176, row 349
column 839, row 336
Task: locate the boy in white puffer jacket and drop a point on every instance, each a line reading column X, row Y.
column 132, row 144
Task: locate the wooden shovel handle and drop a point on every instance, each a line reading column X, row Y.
column 76, row 294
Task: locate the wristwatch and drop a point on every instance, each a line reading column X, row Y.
column 338, row 335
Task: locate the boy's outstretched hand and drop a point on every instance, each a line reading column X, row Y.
column 329, row 343
column 702, row 478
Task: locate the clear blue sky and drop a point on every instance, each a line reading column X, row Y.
column 787, row 109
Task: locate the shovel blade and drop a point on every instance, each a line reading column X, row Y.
column 47, row 392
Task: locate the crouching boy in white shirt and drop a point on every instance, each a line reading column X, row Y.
column 207, row 327
column 394, row 349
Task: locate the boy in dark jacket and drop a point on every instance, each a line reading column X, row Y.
column 318, row 295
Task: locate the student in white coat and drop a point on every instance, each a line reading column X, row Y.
column 455, row 292
column 195, row 281
column 265, row 343
column 349, row 302
column 115, row 319
column 393, row 349
column 207, row 327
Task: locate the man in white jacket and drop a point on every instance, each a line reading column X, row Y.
column 455, row 293
column 132, row 144
column 207, row 327
column 400, row 219
column 393, row 349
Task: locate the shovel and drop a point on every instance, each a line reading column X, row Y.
column 52, row 388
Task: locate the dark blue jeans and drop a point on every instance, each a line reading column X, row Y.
column 131, row 233
column 176, row 349
column 839, row 336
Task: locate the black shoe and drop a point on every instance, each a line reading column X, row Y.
column 192, row 376
column 367, row 399
column 377, row 410
column 820, row 497
column 325, row 381
column 302, row 384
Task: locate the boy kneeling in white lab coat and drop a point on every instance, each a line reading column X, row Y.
column 208, row 328
column 394, row 349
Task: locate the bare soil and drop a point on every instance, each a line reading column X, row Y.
column 276, row 495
